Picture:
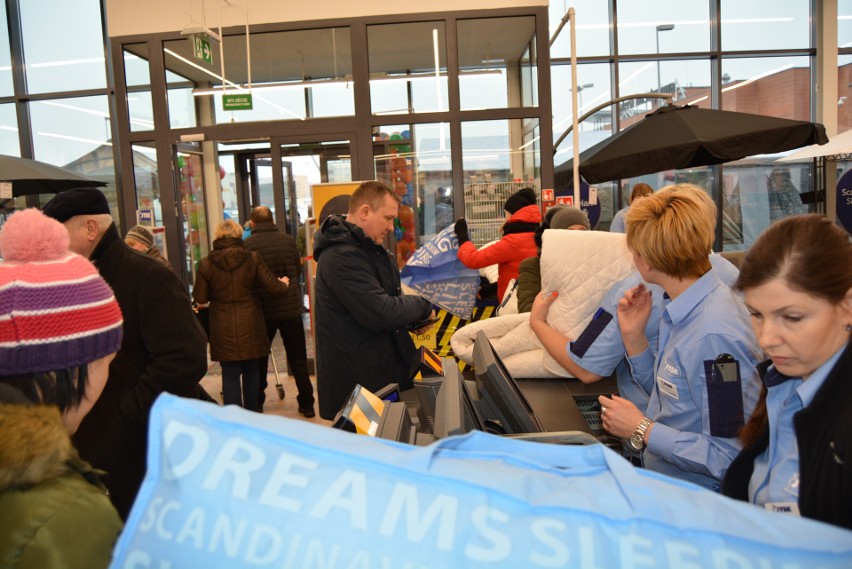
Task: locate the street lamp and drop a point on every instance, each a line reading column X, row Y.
column 661, row 28
column 580, row 93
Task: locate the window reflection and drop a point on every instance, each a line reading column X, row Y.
column 663, row 26
column 6, row 85
column 140, row 107
column 193, row 210
column 9, row 141
column 414, row 160
column 844, row 93
column 773, row 86
column 592, row 28
column 497, row 162
column 408, row 68
column 765, row 24
column 64, row 45
column 492, row 56
column 307, row 74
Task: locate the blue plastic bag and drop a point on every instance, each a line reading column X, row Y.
column 435, row 272
column 230, row 488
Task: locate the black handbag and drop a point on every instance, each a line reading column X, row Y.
column 202, row 314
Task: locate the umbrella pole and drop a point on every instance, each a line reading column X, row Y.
column 572, row 18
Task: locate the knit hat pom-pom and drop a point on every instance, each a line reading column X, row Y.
column 29, row 235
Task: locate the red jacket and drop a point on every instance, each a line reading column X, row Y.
column 508, row 252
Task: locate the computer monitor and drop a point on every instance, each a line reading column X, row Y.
column 454, row 412
column 503, row 400
column 396, row 424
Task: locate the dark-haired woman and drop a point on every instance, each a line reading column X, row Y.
column 797, row 447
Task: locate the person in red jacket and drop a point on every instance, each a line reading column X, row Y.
column 523, row 217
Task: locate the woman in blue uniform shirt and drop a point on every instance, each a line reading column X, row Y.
column 703, row 378
column 797, row 447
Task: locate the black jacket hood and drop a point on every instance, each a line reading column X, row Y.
column 229, row 254
column 335, row 230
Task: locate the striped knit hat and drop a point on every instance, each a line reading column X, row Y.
column 56, row 312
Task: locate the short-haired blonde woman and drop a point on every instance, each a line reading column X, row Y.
column 228, row 280
column 797, row 447
column 702, row 381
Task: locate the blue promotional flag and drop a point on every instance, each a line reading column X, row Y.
column 227, row 488
column 435, row 272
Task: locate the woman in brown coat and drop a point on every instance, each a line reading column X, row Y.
column 228, row 279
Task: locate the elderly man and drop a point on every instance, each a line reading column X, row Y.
column 164, row 348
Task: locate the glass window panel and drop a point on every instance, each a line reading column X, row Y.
column 140, row 107
column 492, row 55
column 844, row 93
column 593, row 90
column 303, row 72
column 415, row 161
column 9, row 141
column 757, row 192
column 765, row 24
column 664, row 26
column 496, row 163
column 687, row 80
column 844, row 23
column 774, row 86
column 64, row 45
column 147, row 183
column 194, row 211
column 7, row 88
column 75, row 134
column 592, row 28
column 408, row 68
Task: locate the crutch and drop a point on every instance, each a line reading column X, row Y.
column 278, row 386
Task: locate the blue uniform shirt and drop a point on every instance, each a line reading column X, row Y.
column 775, row 479
column 696, row 418
column 600, row 349
column 617, row 225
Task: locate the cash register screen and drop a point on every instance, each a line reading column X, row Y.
column 500, row 392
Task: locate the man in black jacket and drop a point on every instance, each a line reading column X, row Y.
column 362, row 317
column 283, row 313
column 164, row 347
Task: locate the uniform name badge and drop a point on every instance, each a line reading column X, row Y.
column 783, row 507
column 667, row 387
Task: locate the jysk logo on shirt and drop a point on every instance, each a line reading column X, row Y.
column 671, row 369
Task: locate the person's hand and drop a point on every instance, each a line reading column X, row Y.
column 619, row 416
column 285, row 279
column 426, row 328
column 461, row 231
column 634, row 309
column 541, row 305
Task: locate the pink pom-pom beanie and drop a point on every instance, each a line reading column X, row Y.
column 56, row 312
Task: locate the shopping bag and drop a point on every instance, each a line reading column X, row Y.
column 435, row 272
column 229, row 488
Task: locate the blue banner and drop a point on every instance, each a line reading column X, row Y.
column 435, row 272
column 229, row 488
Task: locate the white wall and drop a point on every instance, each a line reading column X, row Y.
column 131, row 17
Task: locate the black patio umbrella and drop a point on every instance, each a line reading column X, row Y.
column 32, row 177
column 674, row 137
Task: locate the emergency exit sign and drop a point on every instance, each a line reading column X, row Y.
column 201, row 48
column 240, row 102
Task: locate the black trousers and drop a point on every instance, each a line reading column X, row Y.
column 293, row 337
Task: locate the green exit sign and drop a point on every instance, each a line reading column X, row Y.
column 201, row 48
column 237, row 102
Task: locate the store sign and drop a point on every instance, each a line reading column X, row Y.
column 240, row 102
column 844, row 201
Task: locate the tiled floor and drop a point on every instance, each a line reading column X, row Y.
column 287, row 407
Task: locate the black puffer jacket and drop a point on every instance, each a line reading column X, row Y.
column 228, row 278
column 361, row 316
column 278, row 250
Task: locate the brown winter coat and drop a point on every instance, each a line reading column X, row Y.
column 229, row 279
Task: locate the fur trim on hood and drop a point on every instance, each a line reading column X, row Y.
column 34, row 445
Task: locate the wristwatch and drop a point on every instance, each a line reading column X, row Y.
column 637, row 439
